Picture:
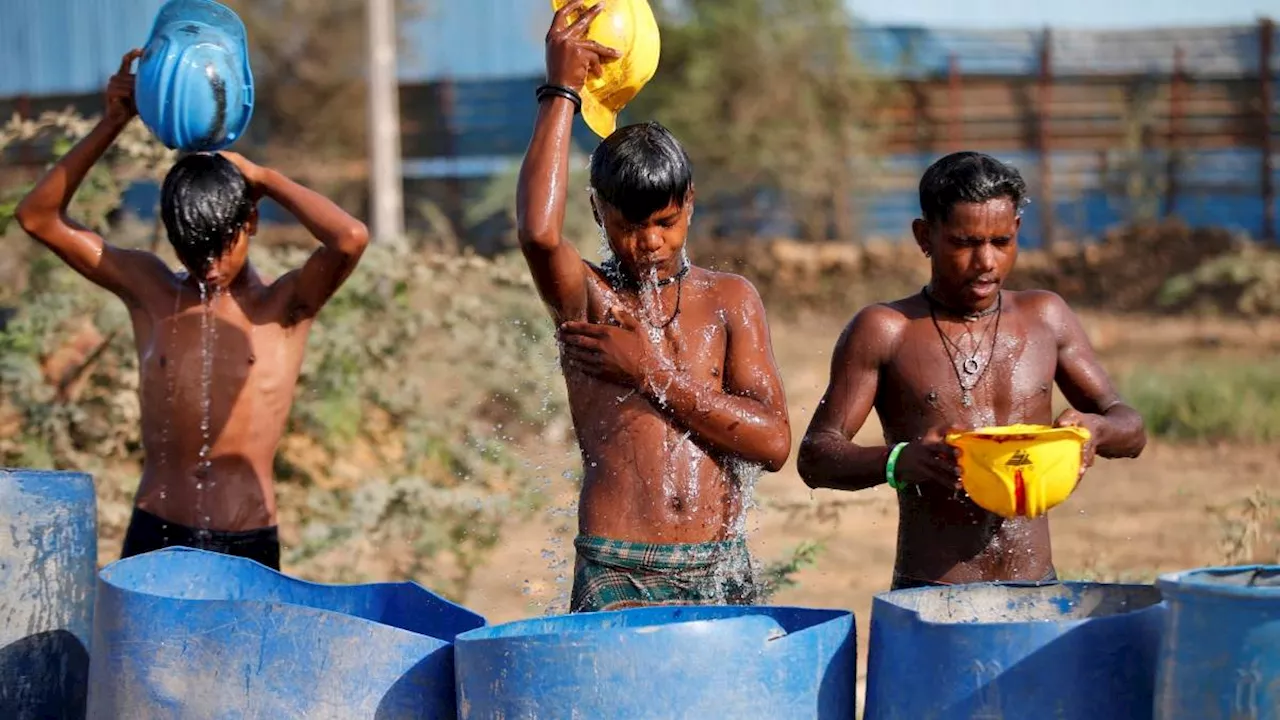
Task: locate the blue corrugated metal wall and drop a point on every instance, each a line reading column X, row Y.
column 476, row 40
column 67, row 47
column 1208, row 52
column 492, row 51
column 1221, row 188
column 53, row 47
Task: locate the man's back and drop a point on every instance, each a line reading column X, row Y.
column 217, row 378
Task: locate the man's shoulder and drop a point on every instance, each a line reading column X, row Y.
column 727, row 285
column 880, row 324
column 889, row 316
column 1045, row 304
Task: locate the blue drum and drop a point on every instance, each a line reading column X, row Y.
column 769, row 663
column 1220, row 659
column 183, row 633
column 48, row 561
column 1075, row 651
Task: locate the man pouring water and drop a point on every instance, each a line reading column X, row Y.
column 219, row 346
column 673, row 388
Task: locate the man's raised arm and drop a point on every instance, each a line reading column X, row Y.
column 557, row 268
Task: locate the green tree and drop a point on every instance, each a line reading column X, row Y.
column 769, row 94
column 309, row 64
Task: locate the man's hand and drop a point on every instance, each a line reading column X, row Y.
column 1093, row 423
column 930, row 459
column 571, row 58
column 623, row 354
column 253, row 174
column 120, row 106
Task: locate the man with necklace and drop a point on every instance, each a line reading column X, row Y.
column 963, row 353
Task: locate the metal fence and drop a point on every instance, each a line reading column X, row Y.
column 1106, row 126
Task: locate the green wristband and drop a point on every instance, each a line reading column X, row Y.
column 890, row 466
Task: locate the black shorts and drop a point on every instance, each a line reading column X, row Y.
column 149, row 532
column 903, row 582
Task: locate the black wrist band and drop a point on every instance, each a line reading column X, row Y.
column 567, row 93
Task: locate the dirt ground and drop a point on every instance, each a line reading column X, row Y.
column 1130, row 520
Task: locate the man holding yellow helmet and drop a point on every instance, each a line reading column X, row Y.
column 964, row 354
column 673, row 388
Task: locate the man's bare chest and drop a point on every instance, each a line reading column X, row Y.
column 687, row 331
column 1005, row 369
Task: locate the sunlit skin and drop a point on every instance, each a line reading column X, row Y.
column 659, row 411
column 255, row 330
column 890, row 358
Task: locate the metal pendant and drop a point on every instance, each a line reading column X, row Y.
column 971, row 366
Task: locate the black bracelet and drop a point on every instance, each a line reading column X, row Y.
column 567, row 93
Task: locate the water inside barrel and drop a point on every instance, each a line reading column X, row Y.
column 1050, row 603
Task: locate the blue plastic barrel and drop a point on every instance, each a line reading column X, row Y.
column 667, row 662
column 48, row 559
column 183, row 633
column 1220, row 658
column 1066, row 651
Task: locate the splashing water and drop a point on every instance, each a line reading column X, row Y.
column 745, row 475
column 684, row 458
column 676, row 446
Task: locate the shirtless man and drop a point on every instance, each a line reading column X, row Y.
column 672, row 382
column 219, row 348
column 962, row 353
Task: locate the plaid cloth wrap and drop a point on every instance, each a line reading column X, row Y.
column 615, row 574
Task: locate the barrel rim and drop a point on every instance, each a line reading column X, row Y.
column 476, row 620
column 883, row 600
column 39, row 472
column 1198, row 581
column 490, row 633
column 63, row 486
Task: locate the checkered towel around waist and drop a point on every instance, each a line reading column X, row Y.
column 616, row 574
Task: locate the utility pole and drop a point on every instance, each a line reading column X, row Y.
column 385, row 178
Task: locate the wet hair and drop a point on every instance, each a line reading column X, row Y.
column 641, row 169
column 204, row 203
column 968, row 177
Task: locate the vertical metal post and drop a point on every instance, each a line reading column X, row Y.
column 385, row 177
column 1177, row 85
column 1267, row 32
column 1047, row 220
column 953, row 103
column 452, row 182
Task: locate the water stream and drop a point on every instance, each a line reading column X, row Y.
column 208, row 343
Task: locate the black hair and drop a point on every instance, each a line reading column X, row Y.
column 641, row 169
column 968, row 177
column 204, row 203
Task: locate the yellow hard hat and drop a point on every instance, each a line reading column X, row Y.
column 629, row 27
column 1020, row 470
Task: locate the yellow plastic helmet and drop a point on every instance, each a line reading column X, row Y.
column 1020, row 470
column 629, row 27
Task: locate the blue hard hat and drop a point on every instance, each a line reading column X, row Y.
column 194, row 86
